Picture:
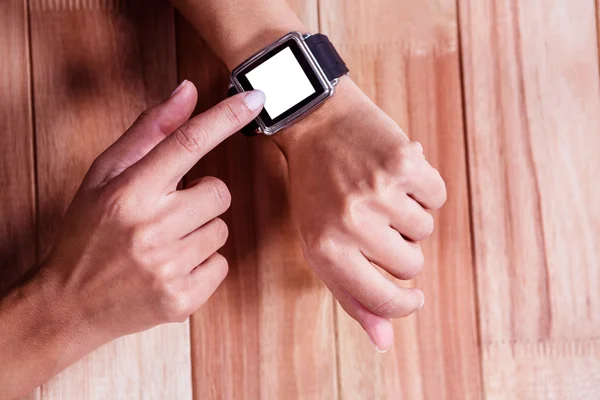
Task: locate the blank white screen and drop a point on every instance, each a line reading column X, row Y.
column 283, row 82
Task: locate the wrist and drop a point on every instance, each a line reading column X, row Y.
column 58, row 315
column 78, row 314
column 228, row 31
column 346, row 94
column 40, row 334
column 257, row 40
column 321, row 119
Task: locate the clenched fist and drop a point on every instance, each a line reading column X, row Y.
column 361, row 194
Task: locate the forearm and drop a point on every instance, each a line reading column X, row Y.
column 236, row 29
column 39, row 337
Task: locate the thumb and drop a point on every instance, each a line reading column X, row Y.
column 168, row 162
column 150, row 128
column 379, row 329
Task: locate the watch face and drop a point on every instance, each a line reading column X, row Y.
column 287, row 78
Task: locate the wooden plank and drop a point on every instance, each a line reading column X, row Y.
column 224, row 332
column 533, row 115
column 268, row 331
column 17, row 198
column 404, row 54
column 96, row 65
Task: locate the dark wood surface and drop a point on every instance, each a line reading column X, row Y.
column 17, row 176
column 96, row 65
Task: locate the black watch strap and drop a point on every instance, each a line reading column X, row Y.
column 327, row 56
column 250, row 129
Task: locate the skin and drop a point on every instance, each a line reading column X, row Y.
column 362, row 215
column 134, row 252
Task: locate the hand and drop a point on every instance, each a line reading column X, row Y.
column 361, row 191
column 134, row 252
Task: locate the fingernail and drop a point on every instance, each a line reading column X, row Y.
column 254, row 100
column 422, row 302
column 178, row 88
column 376, row 347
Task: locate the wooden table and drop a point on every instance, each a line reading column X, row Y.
column 505, row 97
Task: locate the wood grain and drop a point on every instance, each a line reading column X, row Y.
column 224, row 332
column 531, row 80
column 96, row 66
column 268, row 331
column 532, row 110
column 404, row 54
column 17, row 180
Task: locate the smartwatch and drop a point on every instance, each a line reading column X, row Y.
column 297, row 73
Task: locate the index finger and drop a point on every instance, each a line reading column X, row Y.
column 172, row 158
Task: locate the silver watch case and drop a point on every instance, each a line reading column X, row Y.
column 329, row 87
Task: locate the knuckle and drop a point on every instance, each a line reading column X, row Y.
column 229, row 114
column 98, row 165
column 192, row 137
column 381, row 182
column 98, row 171
column 413, row 264
column 218, row 270
column 162, row 274
column 441, row 192
column 221, row 231
column 323, row 245
column 407, row 167
column 221, row 266
column 401, row 166
column 151, row 119
column 173, row 305
column 119, row 201
column 143, row 238
column 386, row 307
column 146, row 261
column 425, row 227
column 416, row 146
column 393, row 305
column 395, row 159
column 352, row 212
column 148, row 114
column 219, row 191
column 396, row 308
